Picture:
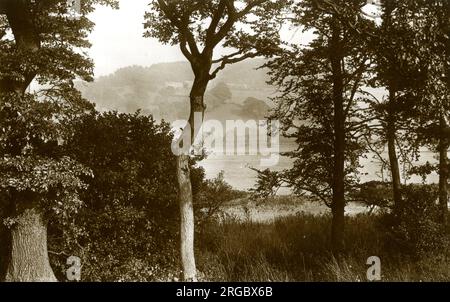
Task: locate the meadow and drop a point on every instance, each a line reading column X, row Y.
column 297, row 248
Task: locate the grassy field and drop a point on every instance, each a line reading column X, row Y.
column 296, row 248
column 272, row 208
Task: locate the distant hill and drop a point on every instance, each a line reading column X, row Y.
column 162, row 90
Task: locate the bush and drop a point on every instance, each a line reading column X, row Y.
column 128, row 227
column 374, row 194
column 413, row 226
column 211, row 196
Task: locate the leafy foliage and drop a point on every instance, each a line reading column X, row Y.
column 32, row 140
column 198, row 27
column 212, row 195
column 374, row 194
column 413, row 227
column 306, row 107
column 130, row 203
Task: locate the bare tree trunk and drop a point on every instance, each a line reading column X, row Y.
column 187, row 219
column 338, row 203
column 29, row 260
column 184, row 180
column 393, row 158
column 443, row 170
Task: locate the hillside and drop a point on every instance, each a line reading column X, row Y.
column 162, row 90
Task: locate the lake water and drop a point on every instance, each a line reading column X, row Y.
column 237, row 170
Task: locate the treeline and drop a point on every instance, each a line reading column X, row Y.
column 328, row 105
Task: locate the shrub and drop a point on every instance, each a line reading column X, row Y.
column 374, row 194
column 413, row 226
column 211, row 196
column 127, row 228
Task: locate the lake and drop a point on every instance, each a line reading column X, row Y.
column 238, row 174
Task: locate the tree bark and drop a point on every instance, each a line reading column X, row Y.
column 391, row 141
column 187, row 219
column 27, row 246
column 29, row 260
column 184, row 180
column 338, row 202
column 443, row 170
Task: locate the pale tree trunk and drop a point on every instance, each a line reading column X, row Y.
column 187, row 227
column 29, row 260
column 187, row 219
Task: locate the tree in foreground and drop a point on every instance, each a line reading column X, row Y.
column 199, row 28
column 320, row 107
column 41, row 42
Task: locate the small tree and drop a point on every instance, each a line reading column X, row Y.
column 199, row 27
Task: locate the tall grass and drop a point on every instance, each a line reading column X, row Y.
column 298, row 249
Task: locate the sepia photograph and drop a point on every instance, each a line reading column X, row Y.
column 257, row 142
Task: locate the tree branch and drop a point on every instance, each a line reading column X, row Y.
column 249, row 7
column 223, row 31
column 227, row 57
column 215, row 22
column 230, row 60
column 182, row 24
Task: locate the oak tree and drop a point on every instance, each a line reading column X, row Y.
column 40, row 41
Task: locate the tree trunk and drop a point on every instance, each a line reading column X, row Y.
column 184, row 181
column 338, row 203
column 391, row 141
column 29, row 260
column 443, row 170
column 27, row 41
column 187, row 219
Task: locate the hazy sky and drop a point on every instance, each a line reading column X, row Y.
column 117, row 39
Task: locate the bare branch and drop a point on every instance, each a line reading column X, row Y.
column 225, row 61
column 215, row 21
column 185, row 50
column 227, row 57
